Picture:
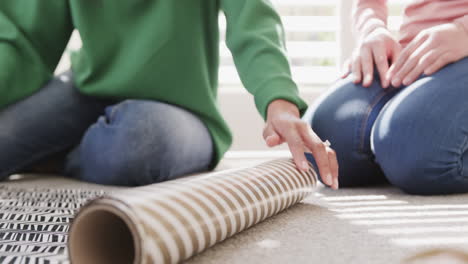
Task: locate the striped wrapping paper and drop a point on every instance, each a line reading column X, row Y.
column 170, row 222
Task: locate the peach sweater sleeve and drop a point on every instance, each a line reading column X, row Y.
column 369, row 15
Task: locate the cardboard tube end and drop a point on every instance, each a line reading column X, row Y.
column 100, row 234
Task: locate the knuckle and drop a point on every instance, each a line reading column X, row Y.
column 425, row 33
column 320, row 147
column 369, row 43
column 356, row 72
column 296, row 149
column 294, row 141
column 450, row 56
column 367, row 66
column 380, row 59
column 425, row 62
column 404, row 55
column 379, row 43
column 410, row 64
column 435, row 40
column 324, row 165
column 302, row 125
column 365, row 46
column 442, row 60
column 356, row 59
column 283, row 123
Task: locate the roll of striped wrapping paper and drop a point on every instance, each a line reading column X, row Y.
column 170, row 222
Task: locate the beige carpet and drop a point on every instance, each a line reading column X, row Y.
column 362, row 225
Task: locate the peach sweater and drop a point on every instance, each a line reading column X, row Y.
column 418, row 15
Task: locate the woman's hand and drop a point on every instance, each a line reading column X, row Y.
column 432, row 49
column 376, row 48
column 285, row 125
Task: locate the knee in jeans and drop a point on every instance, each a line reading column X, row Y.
column 139, row 143
column 131, row 161
column 420, row 177
column 411, row 167
column 412, row 176
column 401, row 163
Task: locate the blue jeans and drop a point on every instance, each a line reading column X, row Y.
column 415, row 137
column 130, row 142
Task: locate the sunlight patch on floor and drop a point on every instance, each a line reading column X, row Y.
column 404, row 224
column 430, row 241
column 401, row 208
column 414, row 230
column 402, row 214
column 269, row 243
column 355, row 198
column 399, row 221
column 367, row 203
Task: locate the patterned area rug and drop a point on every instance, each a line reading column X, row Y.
column 34, row 223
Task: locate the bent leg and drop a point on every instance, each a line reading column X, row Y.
column 140, row 142
column 51, row 120
column 344, row 116
column 420, row 139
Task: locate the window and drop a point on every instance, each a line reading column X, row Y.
column 311, row 32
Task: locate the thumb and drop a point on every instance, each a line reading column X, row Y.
column 270, row 136
column 346, row 69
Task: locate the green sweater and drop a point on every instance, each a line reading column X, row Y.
column 164, row 50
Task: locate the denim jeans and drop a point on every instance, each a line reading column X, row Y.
column 415, row 137
column 129, row 142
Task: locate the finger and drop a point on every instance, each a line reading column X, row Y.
column 395, row 51
column 319, row 151
column 296, row 147
column 273, row 140
column 367, row 64
column 443, row 60
column 411, row 63
column 402, row 60
column 271, row 137
column 356, row 70
column 268, row 130
column 393, row 57
column 346, row 69
column 381, row 61
column 406, row 53
column 332, row 160
column 425, row 61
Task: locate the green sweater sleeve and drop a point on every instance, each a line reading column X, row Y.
column 255, row 36
column 33, row 35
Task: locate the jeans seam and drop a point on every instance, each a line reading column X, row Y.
column 362, row 130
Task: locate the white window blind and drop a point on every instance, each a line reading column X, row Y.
column 311, row 32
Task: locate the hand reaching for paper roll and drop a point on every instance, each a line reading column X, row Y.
column 284, row 125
